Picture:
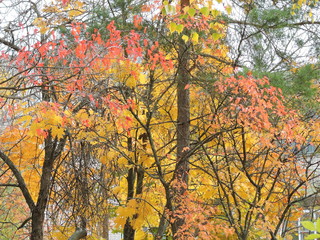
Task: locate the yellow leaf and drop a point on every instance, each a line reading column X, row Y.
column 131, row 82
column 172, row 27
column 186, row 9
column 58, row 132
column 74, row 13
column 138, row 222
column 112, row 154
column 146, row 160
column 126, row 211
column 40, row 22
column 185, row 38
column 120, row 221
column 37, row 21
column 122, row 161
column 143, row 78
column 104, row 159
column 51, row 9
column 310, row 14
column 140, row 234
column 194, row 37
column 215, row 13
column 228, row 9
column 79, row 4
column 25, row 120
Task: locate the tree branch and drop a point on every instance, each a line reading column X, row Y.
column 10, row 44
column 78, row 234
column 20, row 180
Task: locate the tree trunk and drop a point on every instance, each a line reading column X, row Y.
column 45, row 184
column 135, row 175
column 128, row 231
column 105, row 225
column 183, row 127
column 52, row 151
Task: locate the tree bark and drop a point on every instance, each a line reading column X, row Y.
column 45, row 183
column 128, row 231
column 183, row 126
column 52, row 151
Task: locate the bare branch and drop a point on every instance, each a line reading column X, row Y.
column 19, row 178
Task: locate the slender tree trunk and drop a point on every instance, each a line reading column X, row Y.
column 135, row 175
column 38, row 213
column 105, row 225
column 128, row 231
column 162, row 227
column 84, row 188
column 183, row 126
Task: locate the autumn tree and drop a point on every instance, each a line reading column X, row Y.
column 148, row 118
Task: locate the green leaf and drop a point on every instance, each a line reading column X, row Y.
column 194, row 37
column 183, row 16
column 191, row 12
column 179, row 28
column 308, row 225
column 205, row 11
column 171, row 9
column 312, row 236
column 172, row 27
column 164, row 11
column 318, row 225
column 217, row 36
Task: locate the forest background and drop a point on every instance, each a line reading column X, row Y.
column 158, row 119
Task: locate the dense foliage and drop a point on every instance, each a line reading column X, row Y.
column 176, row 120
